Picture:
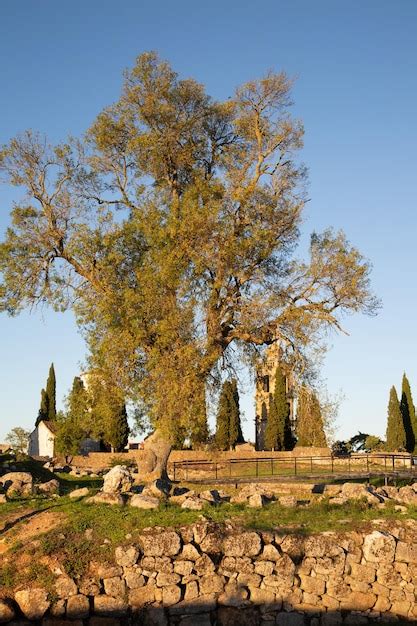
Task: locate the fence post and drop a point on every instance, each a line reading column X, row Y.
column 367, row 463
column 332, row 464
column 230, row 468
column 257, row 468
column 295, row 466
column 311, row 465
column 272, row 466
column 393, row 463
column 216, row 469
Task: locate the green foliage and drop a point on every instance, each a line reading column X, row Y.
column 396, row 435
column 43, row 409
column 228, row 427
column 51, row 393
column 47, row 409
column 278, row 435
column 18, row 439
column 75, row 423
column 170, row 230
column 408, row 412
column 117, row 430
column 374, row 444
column 310, row 427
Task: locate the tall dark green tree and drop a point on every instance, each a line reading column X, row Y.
column 396, row 435
column 278, row 435
column 228, row 426
column 51, row 393
column 43, row 409
column 117, row 429
column 408, row 412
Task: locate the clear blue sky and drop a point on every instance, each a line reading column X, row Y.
column 356, row 68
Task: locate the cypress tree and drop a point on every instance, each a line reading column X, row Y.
column 278, row 435
column 408, row 412
column 117, row 431
column 310, row 428
column 228, row 426
column 235, row 428
column 222, row 419
column 396, row 435
column 43, row 409
column 51, row 393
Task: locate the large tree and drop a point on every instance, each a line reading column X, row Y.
column 408, row 412
column 396, row 435
column 310, row 426
column 170, row 229
column 278, row 435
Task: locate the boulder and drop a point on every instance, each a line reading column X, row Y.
column 289, row 502
column 358, row 491
column 107, row 498
column 3, row 498
column 144, row 502
column 407, row 495
column 32, row 602
column 50, row 487
column 20, row 483
column 117, row 480
column 65, row 587
column 79, row 493
column 154, row 460
column 193, row 503
column 257, row 501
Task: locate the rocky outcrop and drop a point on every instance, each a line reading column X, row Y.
column 17, row 483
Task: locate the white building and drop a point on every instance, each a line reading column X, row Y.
column 42, row 441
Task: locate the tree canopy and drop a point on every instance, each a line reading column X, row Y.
column 170, row 229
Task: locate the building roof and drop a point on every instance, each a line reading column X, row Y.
column 50, row 426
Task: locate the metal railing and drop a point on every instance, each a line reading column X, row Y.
column 296, row 466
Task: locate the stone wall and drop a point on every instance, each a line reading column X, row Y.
column 209, row 574
column 102, row 460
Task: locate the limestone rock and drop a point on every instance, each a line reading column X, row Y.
column 78, row 607
column 357, row 491
column 19, row 483
column 114, row 587
column 107, row 498
column 107, row 605
column 166, row 543
column 50, row 487
column 194, row 503
column 141, row 596
column 289, row 502
column 117, row 480
column 32, row 602
column 141, row 501
column 379, row 547
column 171, row 595
column 126, row 556
column 3, row 498
column 7, row 611
column 79, row 493
column 65, row 587
column 257, row 501
column 406, row 552
column 243, row 544
column 134, row 577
